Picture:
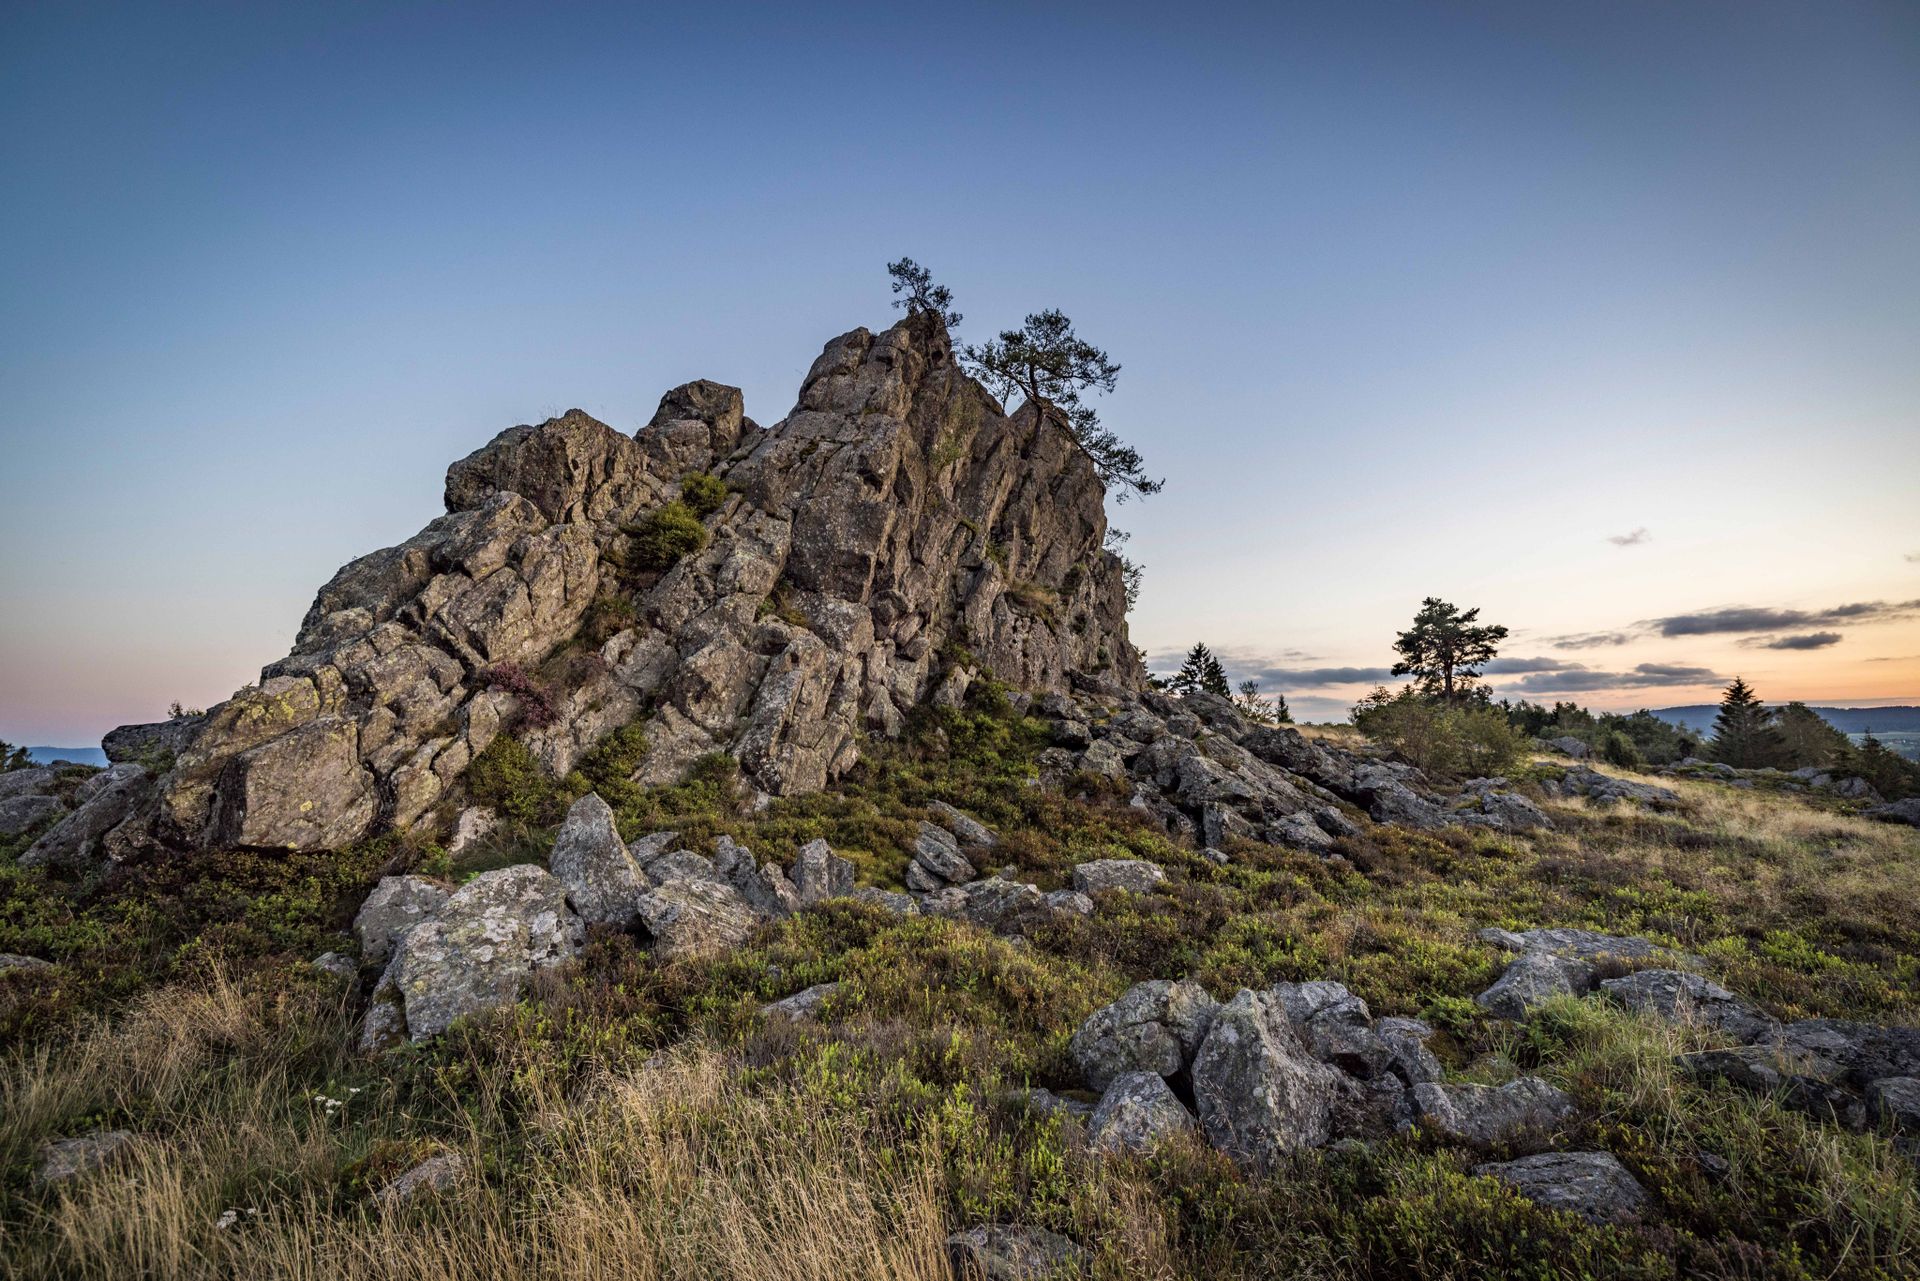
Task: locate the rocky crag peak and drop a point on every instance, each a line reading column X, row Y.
column 772, row 593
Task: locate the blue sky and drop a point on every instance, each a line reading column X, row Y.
column 1410, row 300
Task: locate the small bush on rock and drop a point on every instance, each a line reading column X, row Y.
column 665, row 535
column 703, row 493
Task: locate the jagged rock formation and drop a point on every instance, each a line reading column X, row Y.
column 894, row 538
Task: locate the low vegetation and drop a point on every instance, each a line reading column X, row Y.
column 633, row 1118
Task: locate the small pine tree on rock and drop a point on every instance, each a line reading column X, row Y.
column 1200, row 673
column 1744, row 733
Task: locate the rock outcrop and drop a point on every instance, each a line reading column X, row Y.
column 895, row 538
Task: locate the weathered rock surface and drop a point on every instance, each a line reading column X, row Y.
column 107, row 802
column 604, row 881
column 1156, row 1026
column 14, row 963
column 1136, row 1115
column 995, row 904
column 1604, row 789
column 1531, row 979
column 1894, row 1102
column 435, row 1175
column 480, row 948
column 693, row 917
column 1907, row 811
column 397, row 904
column 819, row 874
column 894, row 516
column 804, row 1004
column 19, row 813
column 1584, row 945
column 1687, row 998
column 1482, row 1115
column 1261, row 1094
column 1014, row 1252
column 1136, row 876
column 1593, row 1185
column 970, row 832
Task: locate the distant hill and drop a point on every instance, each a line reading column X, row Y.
column 77, row 755
column 1848, row 720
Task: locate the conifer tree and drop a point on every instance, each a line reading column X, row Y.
column 1200, row 673
column 1445, row 648
column 1744, row 733
column 1807, row 738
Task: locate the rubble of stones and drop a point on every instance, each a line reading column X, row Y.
column 1857, row 1075
column 1206, row 775
column 895, row 538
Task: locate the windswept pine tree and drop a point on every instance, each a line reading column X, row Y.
column 1744, row 733
column 1445, row 648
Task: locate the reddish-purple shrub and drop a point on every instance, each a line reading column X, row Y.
column 535, row 703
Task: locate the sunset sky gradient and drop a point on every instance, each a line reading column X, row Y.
column 1603, row 318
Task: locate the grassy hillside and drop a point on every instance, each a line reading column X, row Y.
column 637, row 1119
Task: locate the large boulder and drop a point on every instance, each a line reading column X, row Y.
column 1261, row 1093
column 478, row 951
column 604, row 881
column 1156, row 1026
column 694, row 917
column 108, row 800
column 1134, row 875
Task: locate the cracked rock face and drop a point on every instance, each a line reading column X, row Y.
column 894, row 538
column 1260, row 1091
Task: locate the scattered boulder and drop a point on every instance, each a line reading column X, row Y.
column 1483, row 1115
column 1604, row 789
column 478, row 951
column 1137, row 1113
column 66, row 1159
column 1567, row 745
column 14, row 963
column 1681, row 997
column 1854, row 1052
column 1014, row 1252
column 804, row 1004
column 1907, row 811
column 1795, row 1081
column 937, row 860
column 431, row 1177
column 1408, row 1055
column 79, row 841
column 1156, row 1026
column 764, row 886
column 888, row 900
column 474, row 824
column 1046, row 1103
column 1070, row 902
column 819, row 874
column 1894, row 1102
column 604, row 881
column 1503, row 812
column 396, row 906
column 994, row 904
column 1261, row 1094
column 968, row 831
column 1136, row 876
column 1301, row 831
column 694, row 917
column 1531, row 979
column 1593, row 1185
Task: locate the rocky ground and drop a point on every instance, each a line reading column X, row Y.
column 832, row 897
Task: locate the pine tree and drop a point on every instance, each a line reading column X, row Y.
column 1200, row 673
column 1807, row 737
column 1744, row 733
column 1444, row 649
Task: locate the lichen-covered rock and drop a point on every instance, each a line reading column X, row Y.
column 1482, row 1115
column 819, row 874
column 604, row 881
column 397, row 904
column 1850, row 1051
column 937, row 852
column 992, row 903
column 887, row 900
column 478, row 951
column 1593, row 1185
column 431, row 1177
column 1136, row 1114
column 1134, row 875
column 970, row 832
column 1014, row 1252
column 80, row 840
column 1531, row 979
column 1687, row 998
column 1156, row 1026
column 694, row 917
column 1261, row 1093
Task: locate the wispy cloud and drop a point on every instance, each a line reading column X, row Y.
column 1576, row 679
column 1743, row 618
column 1634, row 539
column 1805, row 640
column 1589, row 640
column 1516, row 666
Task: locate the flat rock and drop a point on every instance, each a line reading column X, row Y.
column 1581, row 945
column 1014, row 1252
column 993, row 903
column 1482, row 1115
column 887, row 900
column 1136, row 876
column 65, row 1159
column 474, row 824
column 1680, row 997
column 1136, row 1114
column 1593, row 1185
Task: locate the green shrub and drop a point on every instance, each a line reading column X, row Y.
column 1617, row 749
column 665, row 535
column 703, row 493
column 1471, row 740
column 507, row 777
